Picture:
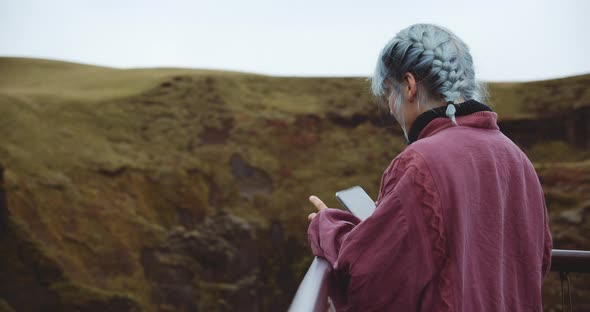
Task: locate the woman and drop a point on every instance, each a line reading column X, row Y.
column 461, row 222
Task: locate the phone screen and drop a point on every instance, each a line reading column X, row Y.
column 357, row 201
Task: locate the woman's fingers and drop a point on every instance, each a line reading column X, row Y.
column 311, row 216
column 318, row 203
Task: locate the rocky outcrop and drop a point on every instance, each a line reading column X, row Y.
column 223, row 264
column 213, row 267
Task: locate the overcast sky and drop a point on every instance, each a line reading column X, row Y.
column 510, row 40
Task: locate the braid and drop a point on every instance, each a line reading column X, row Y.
column 439, row 59
column 446, row 77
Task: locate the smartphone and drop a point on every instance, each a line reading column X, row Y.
column 357, row 201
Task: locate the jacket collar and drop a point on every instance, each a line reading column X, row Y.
column 470, row 113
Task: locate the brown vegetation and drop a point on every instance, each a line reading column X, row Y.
column 182, row 190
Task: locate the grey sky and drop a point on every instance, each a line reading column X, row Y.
column 510, row 40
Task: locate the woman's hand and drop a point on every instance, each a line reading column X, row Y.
column 318, row 203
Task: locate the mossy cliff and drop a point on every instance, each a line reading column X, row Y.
column 32, row 281
column 184, row 190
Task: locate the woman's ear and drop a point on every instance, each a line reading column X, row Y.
column 410, row 86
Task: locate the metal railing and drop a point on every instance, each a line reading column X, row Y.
column 312, row 294
column 577, row 261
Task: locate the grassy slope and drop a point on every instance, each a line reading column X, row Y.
column 62, row 148
column 514, row 100
column 101, row 162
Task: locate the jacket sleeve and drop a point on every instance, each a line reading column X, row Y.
column 377, row 260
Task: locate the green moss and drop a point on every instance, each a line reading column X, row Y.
column 83, row 298
column 30, row 280
column 513, row 100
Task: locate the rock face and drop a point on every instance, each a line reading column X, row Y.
column 183, row 190
column 212, row 267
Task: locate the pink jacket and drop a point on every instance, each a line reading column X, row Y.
column 460, row 225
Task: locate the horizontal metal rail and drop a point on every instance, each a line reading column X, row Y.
column 312, row 294
column 577, row 261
